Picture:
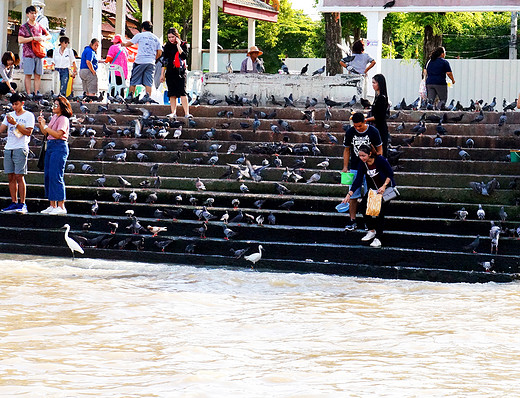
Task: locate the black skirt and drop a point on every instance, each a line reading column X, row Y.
column 176, row 82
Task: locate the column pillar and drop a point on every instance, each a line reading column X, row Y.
column 120, row 17
column 196, row 42
column 96, row 25
column 4, row 11
column 75, row 32
column 70, row 21
column 158, row 19
column 146, row 12
column 213, row 37
column 86, row 25
column 374, row 44
column 251, row 33
column 24, row 5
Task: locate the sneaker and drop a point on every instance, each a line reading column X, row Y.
column 11, row 208
column 351, row 226
column 376, row 243
column 47, row 210
column 189, row 116
column 21, row 208
column 369, row 236
column 130, row 98
column 58, row 210
column 171, row 115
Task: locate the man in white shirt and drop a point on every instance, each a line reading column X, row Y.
column 19, row 126
column 149, row 50
column 64, row 60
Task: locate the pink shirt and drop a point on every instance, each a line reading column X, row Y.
column 121, row 60
column 37, row 30
column 58, row 123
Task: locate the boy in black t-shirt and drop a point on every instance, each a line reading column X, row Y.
column 360, row 134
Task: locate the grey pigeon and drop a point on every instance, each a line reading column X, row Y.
column 502, row 120
column 502, row 214
column 473, row 246
column 319, row 71
column 481, row 214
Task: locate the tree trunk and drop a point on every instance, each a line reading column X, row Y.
column 431, row 42
column 332, row 38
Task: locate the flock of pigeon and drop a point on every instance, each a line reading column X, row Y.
column 161, row 131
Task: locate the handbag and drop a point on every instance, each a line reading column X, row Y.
column 36, row 46
column 373, row 203
column 41, row 157
column 390, row 193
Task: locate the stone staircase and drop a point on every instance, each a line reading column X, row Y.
column 423, row 240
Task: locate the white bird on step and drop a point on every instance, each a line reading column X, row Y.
column 255, row 257
column 71, row 243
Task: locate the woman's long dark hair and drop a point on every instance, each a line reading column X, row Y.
column 8, row 56
column 381, row 82
column 65, row 108
column 366, row 149
column 436, row 53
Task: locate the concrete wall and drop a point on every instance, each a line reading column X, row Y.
column 339, row 88
column 474, row 78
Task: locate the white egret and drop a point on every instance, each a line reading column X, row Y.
column 255, row 257
column 71, row 243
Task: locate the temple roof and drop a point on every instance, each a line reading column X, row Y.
column 255, row 9
column 252, row 4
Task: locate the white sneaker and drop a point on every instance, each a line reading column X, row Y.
column 171, row 115
column 47, row 210
column 58, row 210
column 188, row 116
column 369, row 236
column 376, row 243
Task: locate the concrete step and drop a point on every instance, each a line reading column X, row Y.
column 269, row 264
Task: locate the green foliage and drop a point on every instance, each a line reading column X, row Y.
column 462, row 33
column 294, row 36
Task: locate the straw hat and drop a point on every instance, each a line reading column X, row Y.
column 254, row 49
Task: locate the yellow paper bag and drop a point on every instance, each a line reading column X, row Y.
column 69, row 85
column 373, row 203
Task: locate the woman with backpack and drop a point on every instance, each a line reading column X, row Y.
column 174, row 71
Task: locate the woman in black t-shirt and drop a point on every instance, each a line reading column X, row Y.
column 380, row 110
column 174, row 71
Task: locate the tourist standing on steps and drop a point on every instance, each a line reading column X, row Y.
column 88, row 69
column 359, row 134
column 435, row 72
column 149, row 50
column 251, row 64
column 118, row 55
column 29, row 32
column 19, row 125
column 379, row 175
column 6, row 74
column 174, row 71
column 57, row 133
column 64, row 63
column 379, row 111
column 358, row 63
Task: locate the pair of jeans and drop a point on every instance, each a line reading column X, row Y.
column 64, row 80
column 55, row 160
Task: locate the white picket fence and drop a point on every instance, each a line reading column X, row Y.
column 474, row 78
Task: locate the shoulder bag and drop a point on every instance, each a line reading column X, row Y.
column 390, row 192
column 36, row 46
